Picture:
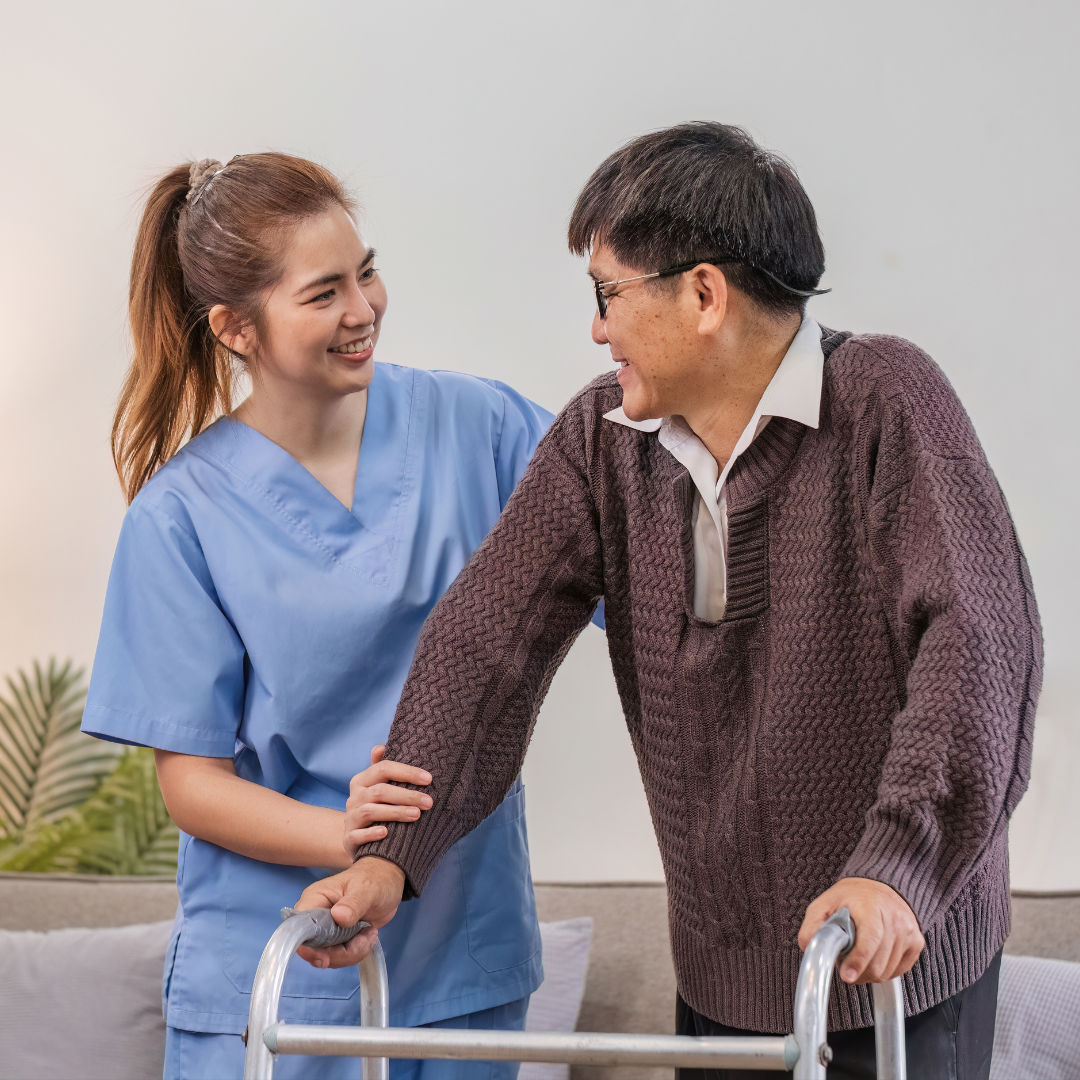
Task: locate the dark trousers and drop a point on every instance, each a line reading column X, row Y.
column 951, row 1041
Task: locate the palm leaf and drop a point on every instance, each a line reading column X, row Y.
column 123, row 828
column 47, row 765
column 52, row 848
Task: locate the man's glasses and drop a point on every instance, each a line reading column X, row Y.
column 602, row 297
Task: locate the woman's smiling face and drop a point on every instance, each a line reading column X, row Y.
column 321, row 321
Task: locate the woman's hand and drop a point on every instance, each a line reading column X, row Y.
column 373, row 798
column 208, row 800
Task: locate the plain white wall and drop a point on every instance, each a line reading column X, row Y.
column 937, row 141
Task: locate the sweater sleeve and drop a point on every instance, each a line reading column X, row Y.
column 489, row 650
column 962, row 616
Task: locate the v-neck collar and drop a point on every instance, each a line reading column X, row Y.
column 364, row 540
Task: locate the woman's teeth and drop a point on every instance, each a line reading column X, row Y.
column 354, row 347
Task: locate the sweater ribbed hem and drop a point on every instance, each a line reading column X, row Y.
column 754, row 989
column 415, row 851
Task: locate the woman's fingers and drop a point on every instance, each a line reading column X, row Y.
column 387, row 795
column 360, row 817
column 398, row 796
column 357, row 838
column 377, row 754
column 388, row 772
column 399, row 773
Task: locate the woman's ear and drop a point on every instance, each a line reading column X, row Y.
column 223, row 323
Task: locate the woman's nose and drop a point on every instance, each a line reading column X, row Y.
column 359, row 311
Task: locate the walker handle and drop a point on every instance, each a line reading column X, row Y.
column 836, row 938
column 314, row 927
column 325, row 932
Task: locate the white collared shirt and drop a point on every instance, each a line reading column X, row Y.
column 794, row 392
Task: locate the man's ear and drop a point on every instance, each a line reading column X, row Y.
column 223, row 323
column 710, row 292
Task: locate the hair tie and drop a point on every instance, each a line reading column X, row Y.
column 200, row 175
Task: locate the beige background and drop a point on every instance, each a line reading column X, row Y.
column 938, row 143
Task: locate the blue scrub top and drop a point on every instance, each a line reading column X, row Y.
column 250, row 615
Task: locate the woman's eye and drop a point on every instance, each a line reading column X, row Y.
column 328, row 295
column 369, row 273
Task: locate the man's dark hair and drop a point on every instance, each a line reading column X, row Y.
column 701, row 192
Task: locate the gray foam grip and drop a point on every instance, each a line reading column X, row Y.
column 324, row 931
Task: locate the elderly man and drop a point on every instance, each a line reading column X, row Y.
column 819, row 617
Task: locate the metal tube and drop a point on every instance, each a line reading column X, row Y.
column 573, row 1047
column 889, row 1035
column 835, row 937
column 266, row 993
column 374, row 1009
column 807, row 1051
column 313, row 927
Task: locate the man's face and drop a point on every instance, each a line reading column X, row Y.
column 652, row 334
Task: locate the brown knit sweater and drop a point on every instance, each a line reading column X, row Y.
column 864, row 709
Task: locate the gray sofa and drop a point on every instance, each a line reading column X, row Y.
column 630, row 984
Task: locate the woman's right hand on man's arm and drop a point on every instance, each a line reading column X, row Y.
column 371, row 888
column 206, row 799
column 374, row 796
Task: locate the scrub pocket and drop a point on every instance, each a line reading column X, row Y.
column 255, row 893
column 500, row 908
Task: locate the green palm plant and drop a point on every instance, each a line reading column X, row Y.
column 69, row 802
column 47, row 765
column 123, row 828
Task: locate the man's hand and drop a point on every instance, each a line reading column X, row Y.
column 887, row 935
column 370, row 889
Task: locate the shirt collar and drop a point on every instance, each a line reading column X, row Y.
column 794, row 391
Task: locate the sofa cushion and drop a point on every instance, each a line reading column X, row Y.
column 86, row 1003
column 83, row 1003
column 556, row 1005
column 1038, row 1020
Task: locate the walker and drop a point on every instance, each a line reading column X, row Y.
column 806, row 1051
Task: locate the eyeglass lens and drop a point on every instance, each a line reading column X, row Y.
column 601, row 299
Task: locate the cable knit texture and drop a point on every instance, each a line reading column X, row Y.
column 864, row 708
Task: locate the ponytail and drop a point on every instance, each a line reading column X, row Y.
column 200, row 244
column 179, row 376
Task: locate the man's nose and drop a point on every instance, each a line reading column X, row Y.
column 599, row 330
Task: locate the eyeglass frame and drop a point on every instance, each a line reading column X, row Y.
column 602, row 299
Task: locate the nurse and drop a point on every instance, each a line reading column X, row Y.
column 269, row 584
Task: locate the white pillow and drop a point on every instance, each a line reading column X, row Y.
column 1038, row 1020
column 87, row 1003
column 82, row 1003
column 556, row 1004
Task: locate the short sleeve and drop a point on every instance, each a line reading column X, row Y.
column 523, row 426
column 169, row 667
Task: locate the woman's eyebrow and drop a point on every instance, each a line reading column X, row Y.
column 329, row 279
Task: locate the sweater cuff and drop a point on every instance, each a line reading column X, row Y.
column 416, row 850
column 905, row 855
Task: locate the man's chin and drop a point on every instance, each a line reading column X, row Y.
column 634, row 408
